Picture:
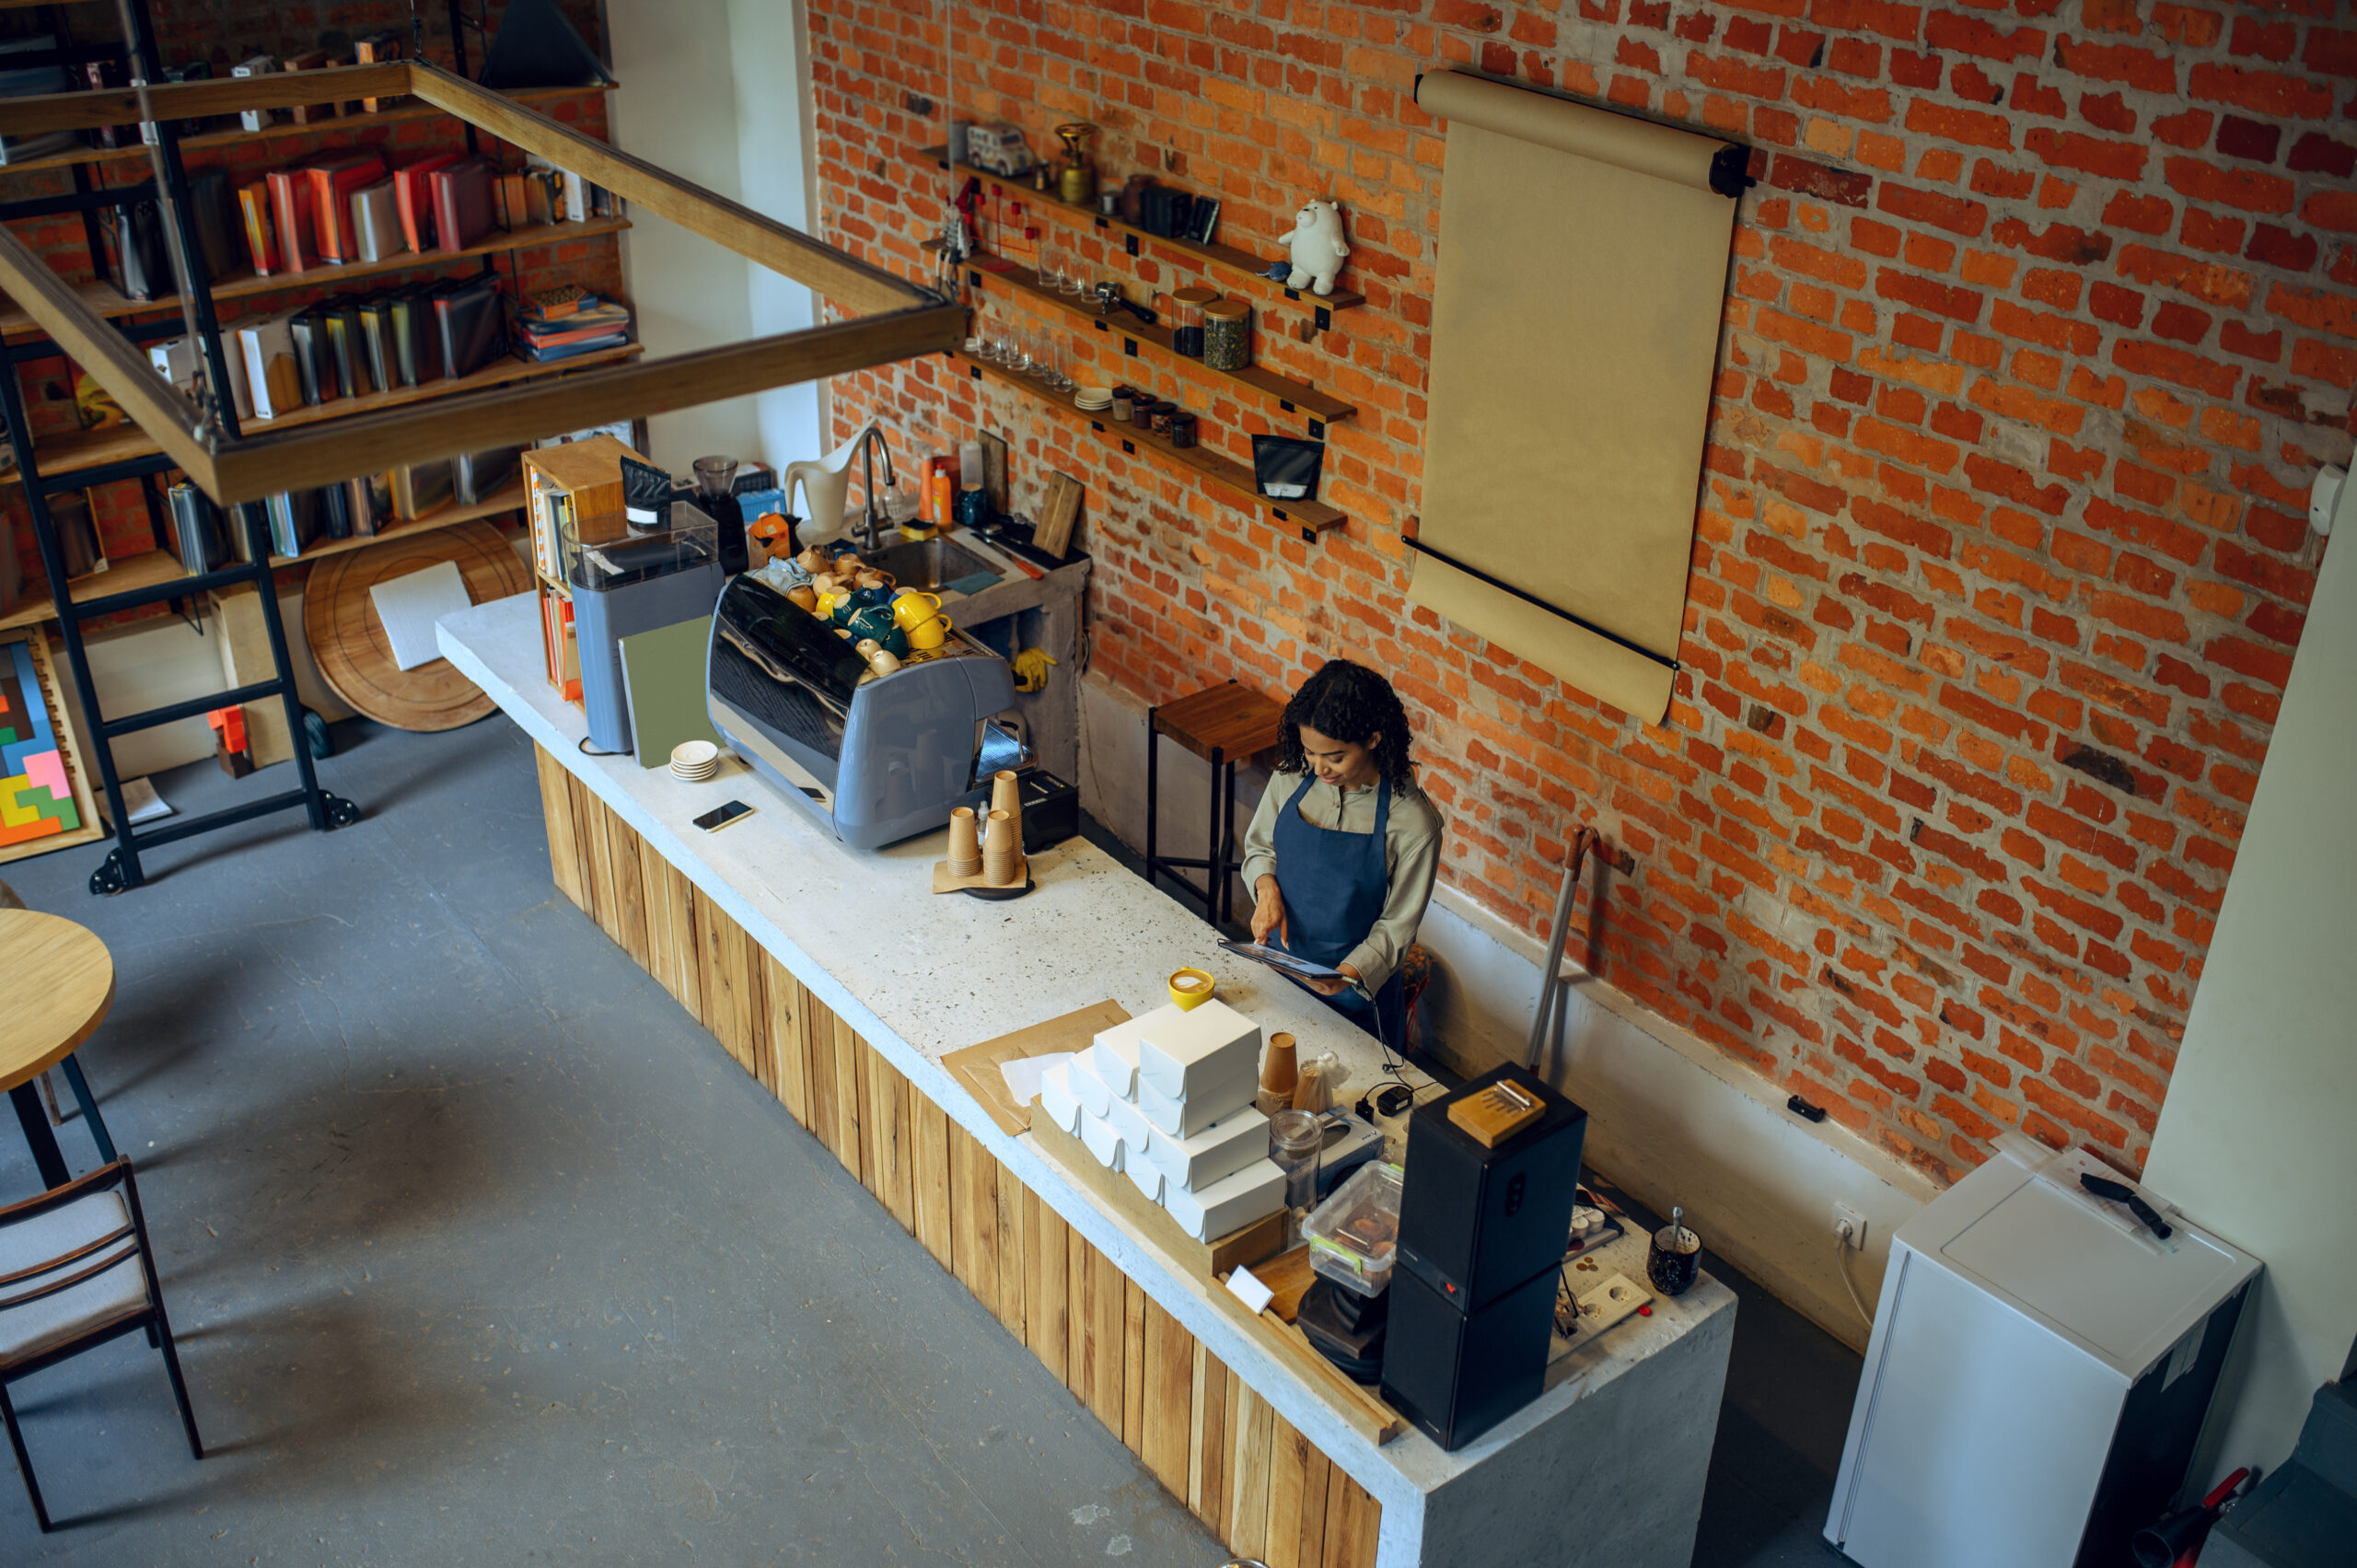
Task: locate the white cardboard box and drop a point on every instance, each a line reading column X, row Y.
column 1102, row 1142
column 1132, row 1124
column 1143, row 1174
column 1114, row 1052
column 1180, row 1053
column 1057, row 1099
column 1221, row 1149
column 1201, row 1109
column 1088, row 1088
column 1250, row 1194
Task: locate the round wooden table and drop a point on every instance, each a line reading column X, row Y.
column 56, row 983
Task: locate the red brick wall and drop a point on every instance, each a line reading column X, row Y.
column 2042, row 317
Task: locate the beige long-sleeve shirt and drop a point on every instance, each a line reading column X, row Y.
column 1410, row 853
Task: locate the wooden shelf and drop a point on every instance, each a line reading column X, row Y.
column 1225, row 257
column 109, row 301
column 97, row 448
column 1294, row 396
column 1312, row 517
column 151, row 568
column 137, row 151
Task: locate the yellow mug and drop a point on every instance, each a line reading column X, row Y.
column 830, row 600
column 912, row 608
column 930, row 633
column 1191, row 988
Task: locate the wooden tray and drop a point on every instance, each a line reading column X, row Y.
column 348, row 640
column 977, row 1065
column 1211, row 1259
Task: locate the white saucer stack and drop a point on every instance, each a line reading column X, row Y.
column 1093, row 400
column 692, row 762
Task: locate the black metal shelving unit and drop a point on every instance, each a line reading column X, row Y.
column 121, row 867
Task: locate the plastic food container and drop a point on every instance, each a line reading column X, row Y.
column 1355, row 1236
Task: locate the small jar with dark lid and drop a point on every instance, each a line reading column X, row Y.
column 1124, row 400
column 1182, row 429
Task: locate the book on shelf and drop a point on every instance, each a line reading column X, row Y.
column 310, row 60
column 335, row 510
column 273, row 374
column 332, row 183
column 212, row 213
column 294, row 520
column 376, row 222
column 135, row 254
column 348, row 355
column 76, row 527
column 413, row 198
column 262, row 230
column 376, row 337
column 417, row 349
column 201, row 540
column 255, row 66
column 292, row 212
column 470, row 324
column 377, row 49
column 464, row 206
column 370, row 499
column 176, row 361
column 420, row 488
column 584, row 325
column 308, row 328
column 477, row 476
column 28, row 81
column 102, row 75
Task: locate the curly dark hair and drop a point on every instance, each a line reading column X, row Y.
column 1348, row 701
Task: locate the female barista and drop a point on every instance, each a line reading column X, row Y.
column 1342, row 849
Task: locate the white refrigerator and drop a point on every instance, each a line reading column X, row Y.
column 2041, row 1368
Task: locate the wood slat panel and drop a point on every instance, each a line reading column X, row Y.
column 686, row 978
column 1108, row 1333
column 1207, row 1439
column 556, row 810
column 1251, row 1452
column 851, row 1092
column 1292, row 1508
column 662, row 943
column 1079, row 1361
column 1167, row 1398
column 756, row 998
column 973, row 1214
column 929, row 1184
column 1354, row 1520
column 630, row 896
column 1317, row 1474
column 1013, row 1248
column 889, row 1165
column 819, row 1029
column 1047, row 1243
column 789, row 1048
column 727, row 990
column 598, row 820
column 1133, row 1366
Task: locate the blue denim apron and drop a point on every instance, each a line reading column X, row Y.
column 1334, row 885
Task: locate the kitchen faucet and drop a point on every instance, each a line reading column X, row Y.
column 871, row 441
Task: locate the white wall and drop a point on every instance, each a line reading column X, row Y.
column 2258, row 1139
column 775, row 129
column 1669, row 1119
column 678, row 108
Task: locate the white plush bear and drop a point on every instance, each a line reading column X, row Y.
column 1319, row 250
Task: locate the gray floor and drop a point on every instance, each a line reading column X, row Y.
column 479, row 1251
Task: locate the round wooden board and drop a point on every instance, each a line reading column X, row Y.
column 348, row 640
column 56, row 983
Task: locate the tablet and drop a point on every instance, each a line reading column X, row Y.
column 1278, row 959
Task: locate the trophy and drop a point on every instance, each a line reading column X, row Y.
column 1075, row 176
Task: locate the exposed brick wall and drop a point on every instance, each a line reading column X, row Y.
column 2041, row 318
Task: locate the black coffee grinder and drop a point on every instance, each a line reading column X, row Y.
column 715, row 495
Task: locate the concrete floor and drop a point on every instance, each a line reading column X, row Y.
column 479, row 1251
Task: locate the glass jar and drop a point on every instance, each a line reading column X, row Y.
column 1187, row 307
column 1294, row 1143
column 1227, row 334
column 1182, row 429
column 1124, row 401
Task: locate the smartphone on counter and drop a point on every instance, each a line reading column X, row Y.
column 721, row 815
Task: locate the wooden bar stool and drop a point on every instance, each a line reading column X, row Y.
column 1223, row 725
column 56, row 983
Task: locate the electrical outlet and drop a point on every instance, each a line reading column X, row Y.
column 1847, row 1219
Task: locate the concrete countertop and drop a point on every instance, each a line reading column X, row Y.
column 920, row 975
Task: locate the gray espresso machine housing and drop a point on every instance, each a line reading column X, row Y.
column 876, row 760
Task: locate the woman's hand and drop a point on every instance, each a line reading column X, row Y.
column 1334, row 987
column 1268, row 911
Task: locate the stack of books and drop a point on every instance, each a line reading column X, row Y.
column 559, row 324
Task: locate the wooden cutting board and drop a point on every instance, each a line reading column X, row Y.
column 977, row 1065
column 348, row 639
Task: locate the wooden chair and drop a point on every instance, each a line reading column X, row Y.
column 68, row 1282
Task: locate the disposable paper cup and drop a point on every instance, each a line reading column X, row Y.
column 965, row 843
column 1002, row 851
column 1191, row 988
column 1005, row 794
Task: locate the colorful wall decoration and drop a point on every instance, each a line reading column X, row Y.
column 43, row 805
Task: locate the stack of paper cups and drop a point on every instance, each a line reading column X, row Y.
column 965, row 843
column 1002, row 851
column 1005, row 794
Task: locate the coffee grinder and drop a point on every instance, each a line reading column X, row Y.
column 715, row 495
column 1076, row 177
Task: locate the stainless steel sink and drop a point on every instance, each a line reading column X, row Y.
column 928, row 564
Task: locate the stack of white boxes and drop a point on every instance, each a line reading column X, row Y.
column 1167, row 1101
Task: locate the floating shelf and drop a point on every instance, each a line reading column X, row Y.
column 1312, row 517
column 152, row 568
column 137, row 151
column 1225, row 257
column 1294, row 396
column 109, row 301
column 97, row 448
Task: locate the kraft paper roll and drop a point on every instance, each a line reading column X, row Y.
column 1581, row 281
column 1002, row 851
column 1191, row 988
column 965, row 843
